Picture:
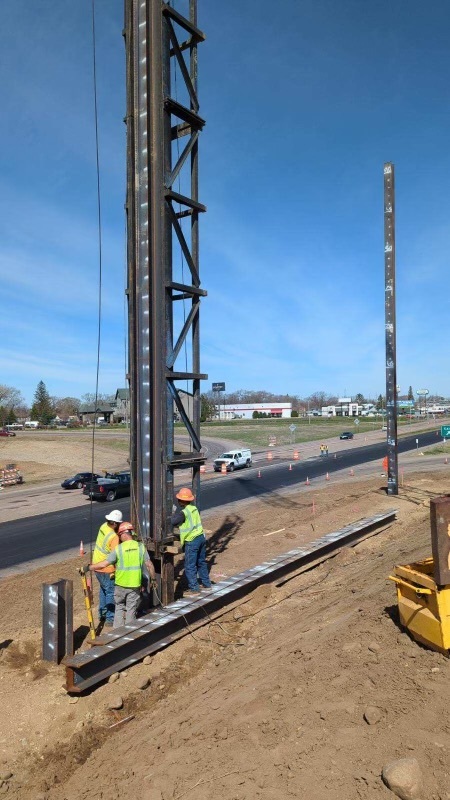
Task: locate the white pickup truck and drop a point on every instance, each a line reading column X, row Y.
column 233, row 459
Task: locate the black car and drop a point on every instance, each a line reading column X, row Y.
column 346, row 435
column 79, row 480
column 115, row 485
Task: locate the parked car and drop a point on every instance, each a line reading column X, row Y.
column 79, row 480
column 115, row 485
column 346, row 435
column 4, row 432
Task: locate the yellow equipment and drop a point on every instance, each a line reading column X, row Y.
column 424, row 606
column 88, row 599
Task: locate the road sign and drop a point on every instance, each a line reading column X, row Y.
column 292, row 428
column 445, row 431
column 356, row 421
column 422, row 392
column 218, row 387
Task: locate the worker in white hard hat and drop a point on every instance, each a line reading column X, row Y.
column 107, row 540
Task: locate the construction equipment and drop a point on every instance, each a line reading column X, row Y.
column 423, row 588
column 10, row 475
column 86, row 583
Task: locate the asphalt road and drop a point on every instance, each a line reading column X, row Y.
column 47, row 534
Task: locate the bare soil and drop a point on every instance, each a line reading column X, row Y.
column 268, row 702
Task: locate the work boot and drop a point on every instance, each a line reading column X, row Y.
column 206, row 588
column 192, row 593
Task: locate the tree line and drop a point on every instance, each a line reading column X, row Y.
column 45, row 407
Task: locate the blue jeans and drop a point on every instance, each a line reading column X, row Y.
column 106, row 604
column 195, row 563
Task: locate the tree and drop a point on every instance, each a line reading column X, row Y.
column 207, row 408
column 359, row 398
column 410, row 394
column 42, row 409
column 294, row 412
column 380, row 402
column 10, row 401
column 66, row 406
column 102, row 399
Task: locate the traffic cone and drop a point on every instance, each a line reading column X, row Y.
column 446, row 461
column 202, row 468
column 335, row 455
column 269, row 455
column 351, row 472
column 82, row 550
column 327, row 477
column 290, row 467
column 259, row 473
column 295, row 455
column 307, row 482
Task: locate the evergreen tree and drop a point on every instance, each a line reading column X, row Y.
column 380, row 402
column 410, row 393
column 42, row 409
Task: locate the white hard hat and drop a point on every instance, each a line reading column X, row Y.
column 114, row 516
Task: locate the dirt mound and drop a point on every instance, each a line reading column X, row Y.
column 306, row 688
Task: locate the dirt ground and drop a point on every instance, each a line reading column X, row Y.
column 267, row 702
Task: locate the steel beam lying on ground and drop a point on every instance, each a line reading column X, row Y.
column 123, row 647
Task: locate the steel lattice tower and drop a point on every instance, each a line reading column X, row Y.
column 162, row 232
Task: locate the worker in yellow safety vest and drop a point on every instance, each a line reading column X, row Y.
column 187, row 520
column 107, row 540
column 132, row 563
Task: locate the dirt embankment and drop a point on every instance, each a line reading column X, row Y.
column 305, row 689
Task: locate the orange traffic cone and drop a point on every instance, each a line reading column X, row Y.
column 307, row 482
column 295, row 455
column 290, row 467
column 269, row 456
column 446, row 461
column 259, row 473
column 327, row 477
column 82, row 550
column 351, row 472
column 202, row 468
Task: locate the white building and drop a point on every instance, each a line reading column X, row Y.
column 246, row 410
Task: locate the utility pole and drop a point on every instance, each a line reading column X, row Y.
column 390, row 327
column 164, row 292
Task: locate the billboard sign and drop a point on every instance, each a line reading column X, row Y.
column 218, row 387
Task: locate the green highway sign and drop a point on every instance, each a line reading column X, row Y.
column 445, row 431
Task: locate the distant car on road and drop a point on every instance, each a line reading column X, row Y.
column 79, row 480
column 4, row 432
column 346, row 435
column 107, row 489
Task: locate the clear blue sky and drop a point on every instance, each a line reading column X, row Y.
column 304, row 101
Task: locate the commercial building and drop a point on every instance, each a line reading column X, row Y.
column 247, row 410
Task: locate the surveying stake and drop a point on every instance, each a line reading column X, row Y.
column 88, row 598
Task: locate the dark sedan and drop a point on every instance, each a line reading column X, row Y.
column 79, row 480
column 346, row 435
column 107, row 489
column 6, row 433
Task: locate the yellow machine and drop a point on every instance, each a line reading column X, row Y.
column 424, row 606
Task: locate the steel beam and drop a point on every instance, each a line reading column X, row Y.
column 123, row 647
column 57, row 620
column 390, row 328
column 162, row 196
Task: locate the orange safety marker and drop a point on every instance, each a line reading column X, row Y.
column 259, row 473
column 82, row 550
column 295, row 455
column 223, row 469
column 351, row 472
column 446, row 461
column 327, row 477
column 269, row 455
column 202, row 468
column 307, row 482
column 290, row 467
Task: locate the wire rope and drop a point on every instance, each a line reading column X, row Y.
column 100, row 257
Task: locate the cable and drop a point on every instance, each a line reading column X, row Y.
column 100, row 257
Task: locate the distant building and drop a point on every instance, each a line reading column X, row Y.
column 246, row 410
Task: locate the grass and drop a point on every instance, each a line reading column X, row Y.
column 438, row 450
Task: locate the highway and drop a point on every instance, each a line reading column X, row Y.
column 40, row 536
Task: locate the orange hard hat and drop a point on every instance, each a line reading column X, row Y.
column 125, row 527
column 185, row 494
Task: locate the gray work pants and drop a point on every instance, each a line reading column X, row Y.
column 126, row 601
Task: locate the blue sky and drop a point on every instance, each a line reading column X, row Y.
column 304, row 102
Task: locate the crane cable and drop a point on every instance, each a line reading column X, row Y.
column 100, row 260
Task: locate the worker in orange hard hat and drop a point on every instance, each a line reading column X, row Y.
column 187, row 520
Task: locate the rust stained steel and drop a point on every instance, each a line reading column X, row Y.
column 155, row 119
column 390, row 328
column 124, row 646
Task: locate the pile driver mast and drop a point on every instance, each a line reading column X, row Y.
column 163, row 301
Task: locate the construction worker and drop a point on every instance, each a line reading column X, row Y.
column 187, row 520
column 107, row 540
column 131, row 562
